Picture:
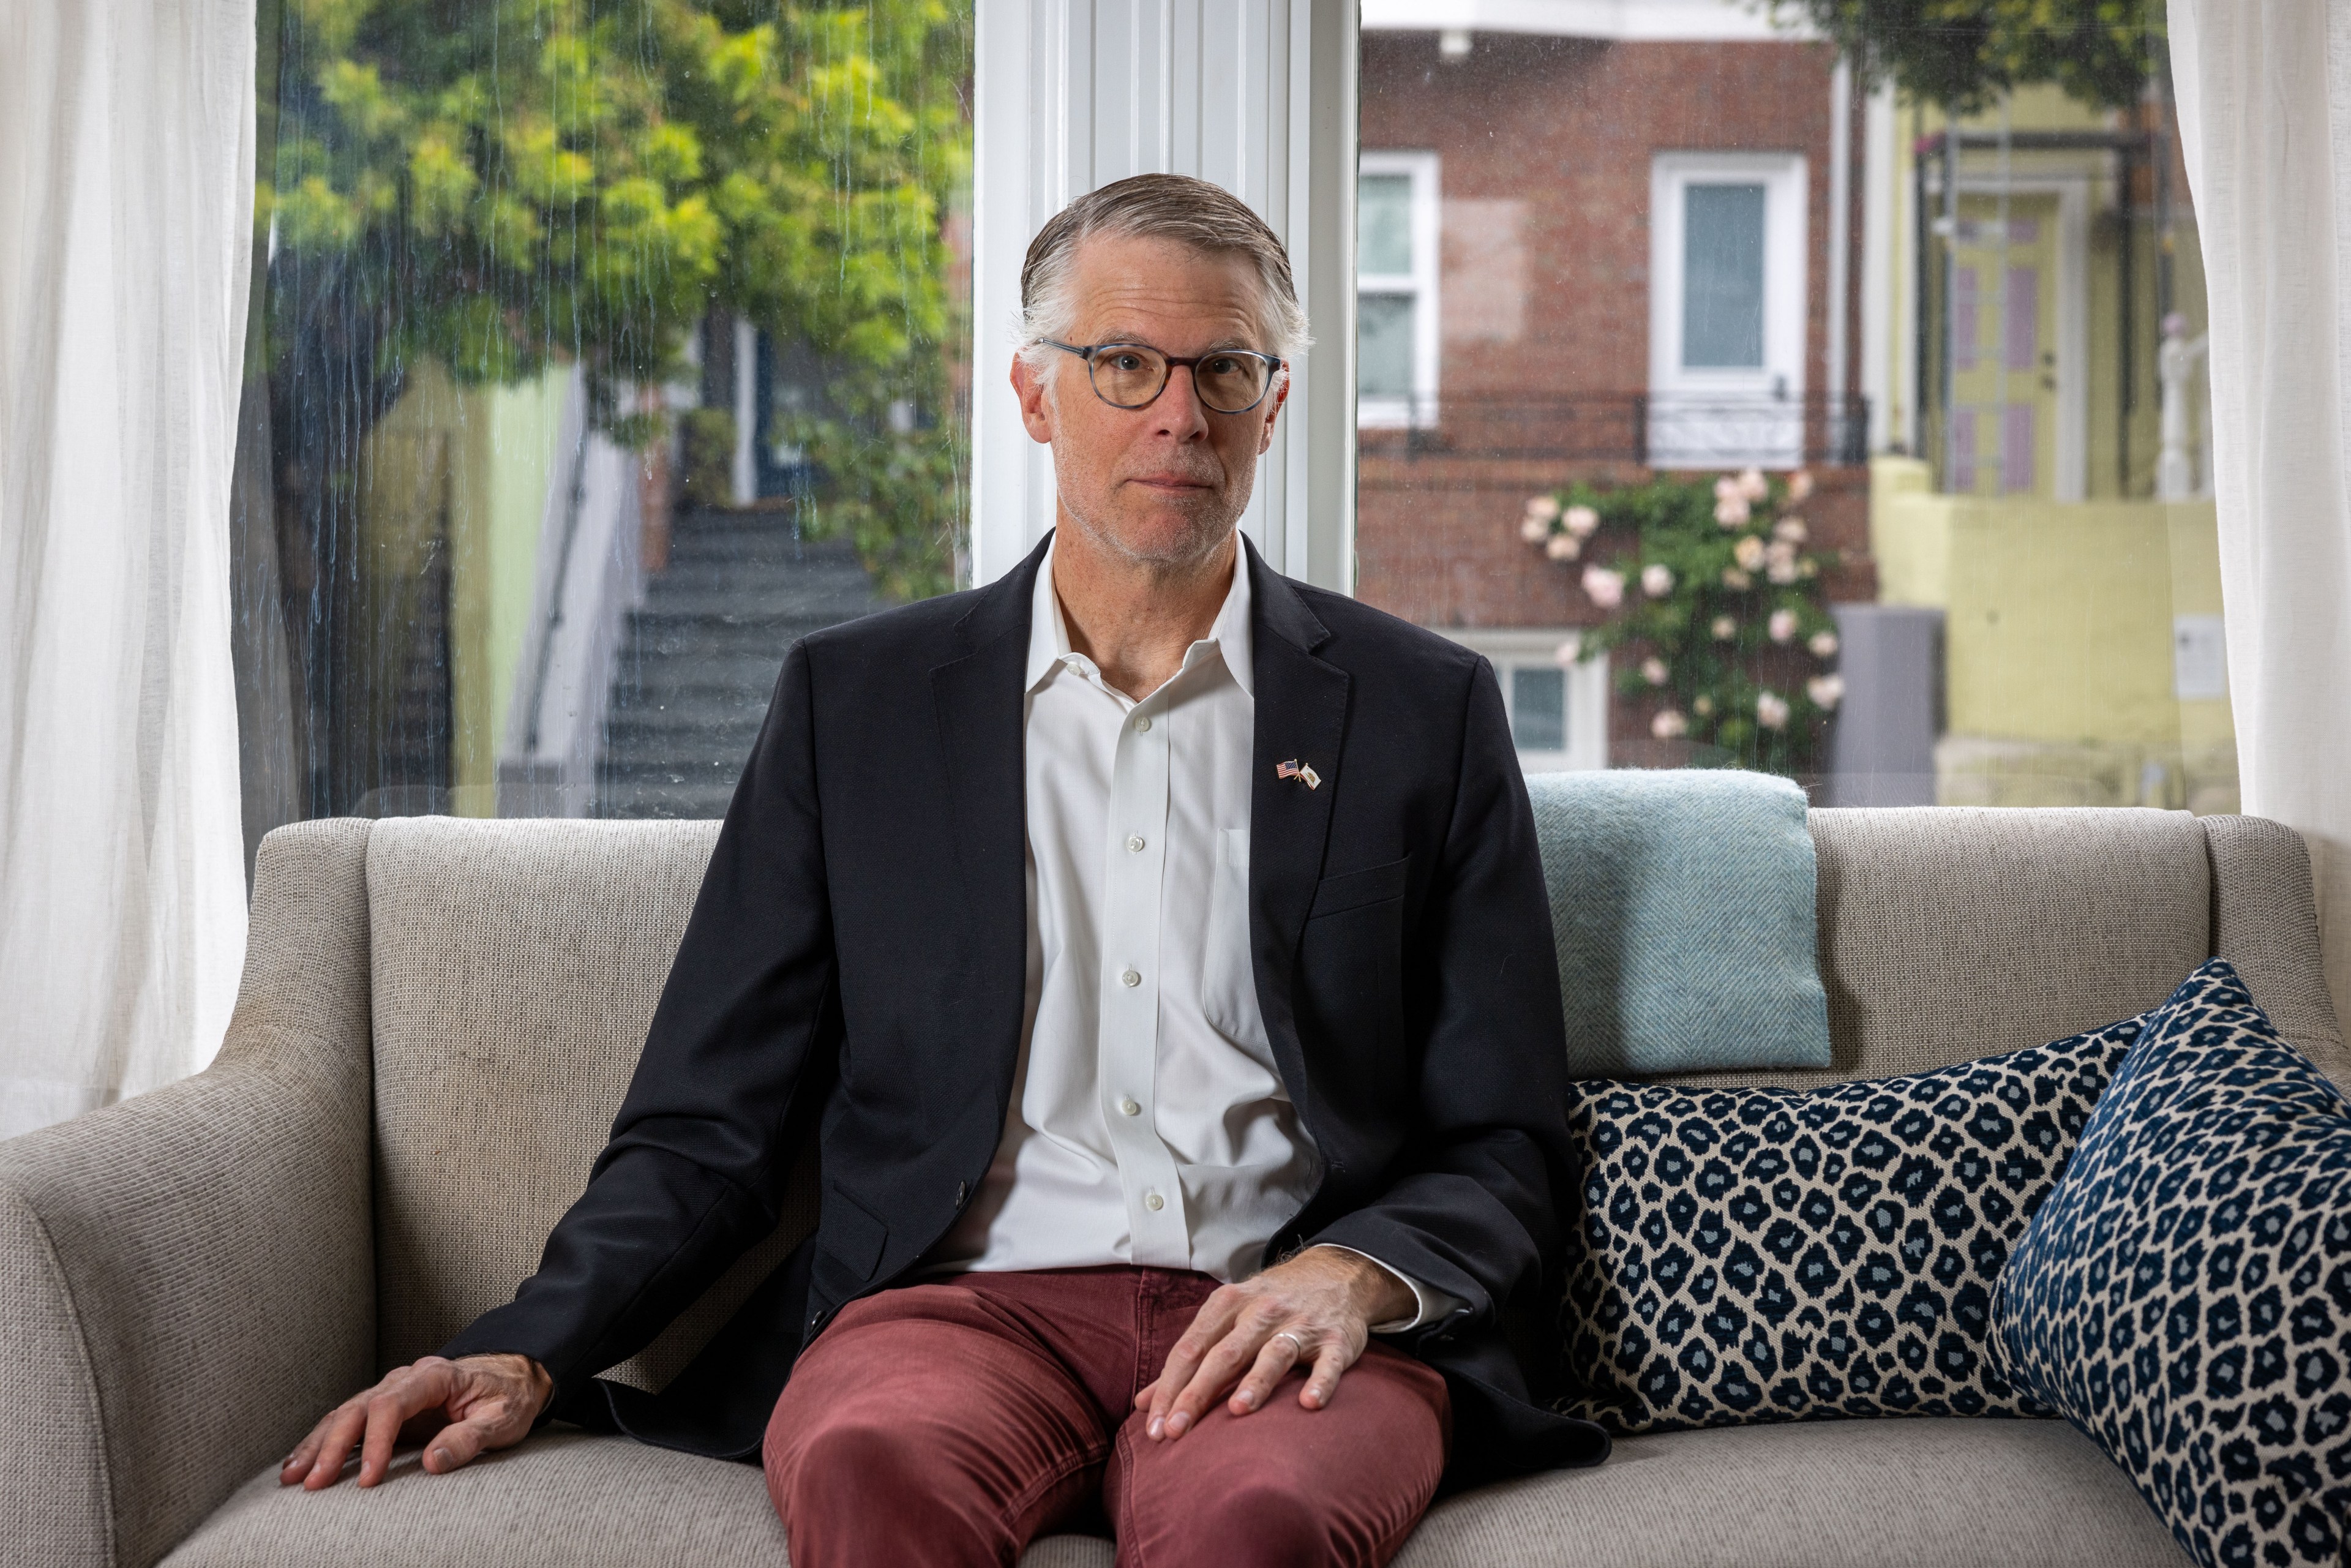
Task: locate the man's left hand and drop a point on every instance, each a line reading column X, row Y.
column 1318, row 1306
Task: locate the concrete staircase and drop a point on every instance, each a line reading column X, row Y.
column 702, row 653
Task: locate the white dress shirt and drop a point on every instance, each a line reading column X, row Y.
column 1148, row 1122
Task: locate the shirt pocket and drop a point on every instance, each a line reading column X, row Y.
column 1227, row 980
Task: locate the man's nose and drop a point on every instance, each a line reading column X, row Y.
column 1178, row 408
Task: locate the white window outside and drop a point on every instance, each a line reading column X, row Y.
column 1559, row 714
column 1726, row 310
column 1395, row 299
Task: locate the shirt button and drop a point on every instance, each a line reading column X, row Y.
column 1141, row 721
column 1134, row 844
column 1153, row 1202
column 1129, row 977
column 1128, row 1107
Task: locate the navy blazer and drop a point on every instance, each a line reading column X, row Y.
column 853, row 968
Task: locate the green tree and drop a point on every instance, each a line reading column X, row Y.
column 493, row 183
column 1965, row 52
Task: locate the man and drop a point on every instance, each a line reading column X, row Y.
column 1158, row 951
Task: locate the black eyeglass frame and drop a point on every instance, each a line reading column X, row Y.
column 1274, row 364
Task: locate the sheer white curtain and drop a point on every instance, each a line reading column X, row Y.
column 126, row 201
column 2264, row 93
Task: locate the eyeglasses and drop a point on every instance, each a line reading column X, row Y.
column 1133, row 375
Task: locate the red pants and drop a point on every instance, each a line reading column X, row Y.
column 952, row 1422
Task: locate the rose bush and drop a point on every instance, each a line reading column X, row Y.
column 1732, row 627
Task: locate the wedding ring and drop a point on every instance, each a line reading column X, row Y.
column 1293, row 1339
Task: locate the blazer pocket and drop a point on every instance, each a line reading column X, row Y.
column 1354, row 889
column 852, row 1233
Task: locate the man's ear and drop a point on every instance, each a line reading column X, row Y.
column 1280, row 396
column 1036, row 407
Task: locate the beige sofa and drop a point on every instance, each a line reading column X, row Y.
column 437, row 1021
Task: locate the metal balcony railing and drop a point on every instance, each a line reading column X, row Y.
column 1648, row 429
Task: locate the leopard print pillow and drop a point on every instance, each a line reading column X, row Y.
column 2184, row 1297
column 1746, row 1255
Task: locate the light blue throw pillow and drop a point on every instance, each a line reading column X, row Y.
column 2184, row 1295
column 1682, row 903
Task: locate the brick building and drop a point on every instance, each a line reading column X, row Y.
column 1596, row 240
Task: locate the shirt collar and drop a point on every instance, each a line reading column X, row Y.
column 1229, row 635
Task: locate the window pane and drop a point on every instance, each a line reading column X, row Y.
column 1538, row 708
column 1722, row 277
column 1950, row 538
column 1383, row 344
column 1383, row 223
column 578, row 390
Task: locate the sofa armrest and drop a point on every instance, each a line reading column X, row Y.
column 2265, row 922
column 187, row 1278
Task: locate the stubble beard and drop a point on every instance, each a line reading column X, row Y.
column 1189, row 553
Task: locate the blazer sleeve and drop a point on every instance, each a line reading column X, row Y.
column 1471, row 1211
column 743, row 1046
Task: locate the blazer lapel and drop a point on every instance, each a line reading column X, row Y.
column 977, row 701
column 1302, row 719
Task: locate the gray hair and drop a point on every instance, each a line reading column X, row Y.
column 1155, row 207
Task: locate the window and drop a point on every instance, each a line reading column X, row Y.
column 1727, row 311
column 1855, row 440
column 574, row 396
column 1396, row 303
column 1558, row 707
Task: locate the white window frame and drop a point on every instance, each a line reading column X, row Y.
column 1772, row 436
column 1418, row 411
column 1586, row 690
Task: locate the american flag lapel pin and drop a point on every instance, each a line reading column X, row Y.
column 1290, row 769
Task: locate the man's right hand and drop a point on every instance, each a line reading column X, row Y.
column 463, row 1407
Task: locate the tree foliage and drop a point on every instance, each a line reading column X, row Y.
column 495, row 184
column 1965, row 52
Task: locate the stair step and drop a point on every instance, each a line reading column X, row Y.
column 701, row 655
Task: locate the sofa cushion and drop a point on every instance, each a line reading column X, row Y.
column 1770, row 1255
column 1930, row 1493
column 515, row 966
column 1949, row 933
column 1682, row 907
column 563, row 1499
column 2184, row 1297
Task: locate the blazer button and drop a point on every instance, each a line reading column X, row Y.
column 961, row 1188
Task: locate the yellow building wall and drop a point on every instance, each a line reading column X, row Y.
column 463, row 471
column 2058, row 626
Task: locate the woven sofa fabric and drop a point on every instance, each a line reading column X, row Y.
column 185, row 1278
column 2085, row 916
column 2184, row 1297
column 1935, row 1493
column 517, row 966
column 1751, row 1255
column 1682, row 907
column 2264, row 923
column 564, row 1499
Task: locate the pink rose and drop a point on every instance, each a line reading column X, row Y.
column 1603, row 587
column 1824, row 645
column 1749, row 553
column 1731, row 511
column 1656, row 582
column 1583, row 522
column 1668, row 724
column 1725, row 629
column 1791, row 530
column 1653, row 671
column 1800, row 485
column 1543, row 507
column 1825, row 690
column 1783, row 625
column 1564, row 547
column 1568, row 653
column 1752, row 485
column 1533, row 529
column 1771, row 710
